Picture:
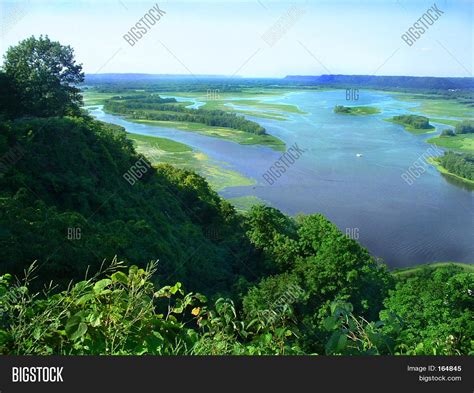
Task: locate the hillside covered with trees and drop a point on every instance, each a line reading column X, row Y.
column 95, row 263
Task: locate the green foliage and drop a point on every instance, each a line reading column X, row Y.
column 465, row 127
column 352, row 335
column 224, row 334
column 326, row 265
column 43, row 75
column 274, row 234
column 415, row 121
column 459, row 164
column 356, row 110
column 448, row 132
column 435, row 306
column 153, row 107
column 341, row 109
column 115, row 315
column 8, row 97
column 123, row 314
column 70, row 175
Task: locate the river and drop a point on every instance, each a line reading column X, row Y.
column 427, row 221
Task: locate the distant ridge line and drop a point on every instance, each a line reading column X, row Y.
column 332, row 80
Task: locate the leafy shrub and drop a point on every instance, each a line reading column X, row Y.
column 114, row 315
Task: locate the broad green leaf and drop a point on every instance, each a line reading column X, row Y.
column 75, row 327
column 101, row 285
column 81, row 330
column 330, row 322
column 175, row 288
column 86, row 298
column 95, row 319
column 120, row 277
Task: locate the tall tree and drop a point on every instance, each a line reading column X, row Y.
column 45, row 75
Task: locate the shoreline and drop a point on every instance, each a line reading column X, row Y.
column 433, row 161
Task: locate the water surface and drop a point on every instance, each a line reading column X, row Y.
column 430, row 220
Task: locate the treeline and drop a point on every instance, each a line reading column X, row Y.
column 459, row 164
column 145, row 99
column 462, row 127
column 415, row 121
column 342, row 109
column 147, row 108
column 382, row 81
column 127, row 82
column 262, row 282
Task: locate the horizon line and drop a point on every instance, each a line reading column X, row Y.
column 272, row 77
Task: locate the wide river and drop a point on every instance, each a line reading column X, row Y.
column 429, row 220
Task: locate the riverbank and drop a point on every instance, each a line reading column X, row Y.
column 92, row 98
column 461, row 143
column 435, row 106
column 166, row 151
column 413, row 130
column 433, row 161
column 241, row 137
column 413, row 270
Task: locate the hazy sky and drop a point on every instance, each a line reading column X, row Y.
column 257, row 38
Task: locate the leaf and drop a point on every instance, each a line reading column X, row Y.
column 379, row 324
column 163, row 292
column 341, row 343
column 267, row 338
column 201, row 298
column 351, row 324
column 100, row 285
column 330, row 322
column 37, row 333
column 195, row 311
column 75, row 328
column 85, row 298
column 81, row 330
column 120, row 277
column 95, row 319
column 175, row 288
column 336, row 343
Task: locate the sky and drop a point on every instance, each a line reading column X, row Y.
column 253, row 38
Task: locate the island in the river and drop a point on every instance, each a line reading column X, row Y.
column 356, row 110
column 168, row 112
column 413, row 123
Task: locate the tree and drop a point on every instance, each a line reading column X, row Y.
column 44, row 73
column 8, row 96
column 465, row 127
column 448, row 132
column 274, row 233
column 435, row 306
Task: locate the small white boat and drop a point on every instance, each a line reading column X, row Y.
column 359, row 155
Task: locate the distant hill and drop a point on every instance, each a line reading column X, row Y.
column 397, row 82
column 231, row 82
column 137, row 77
